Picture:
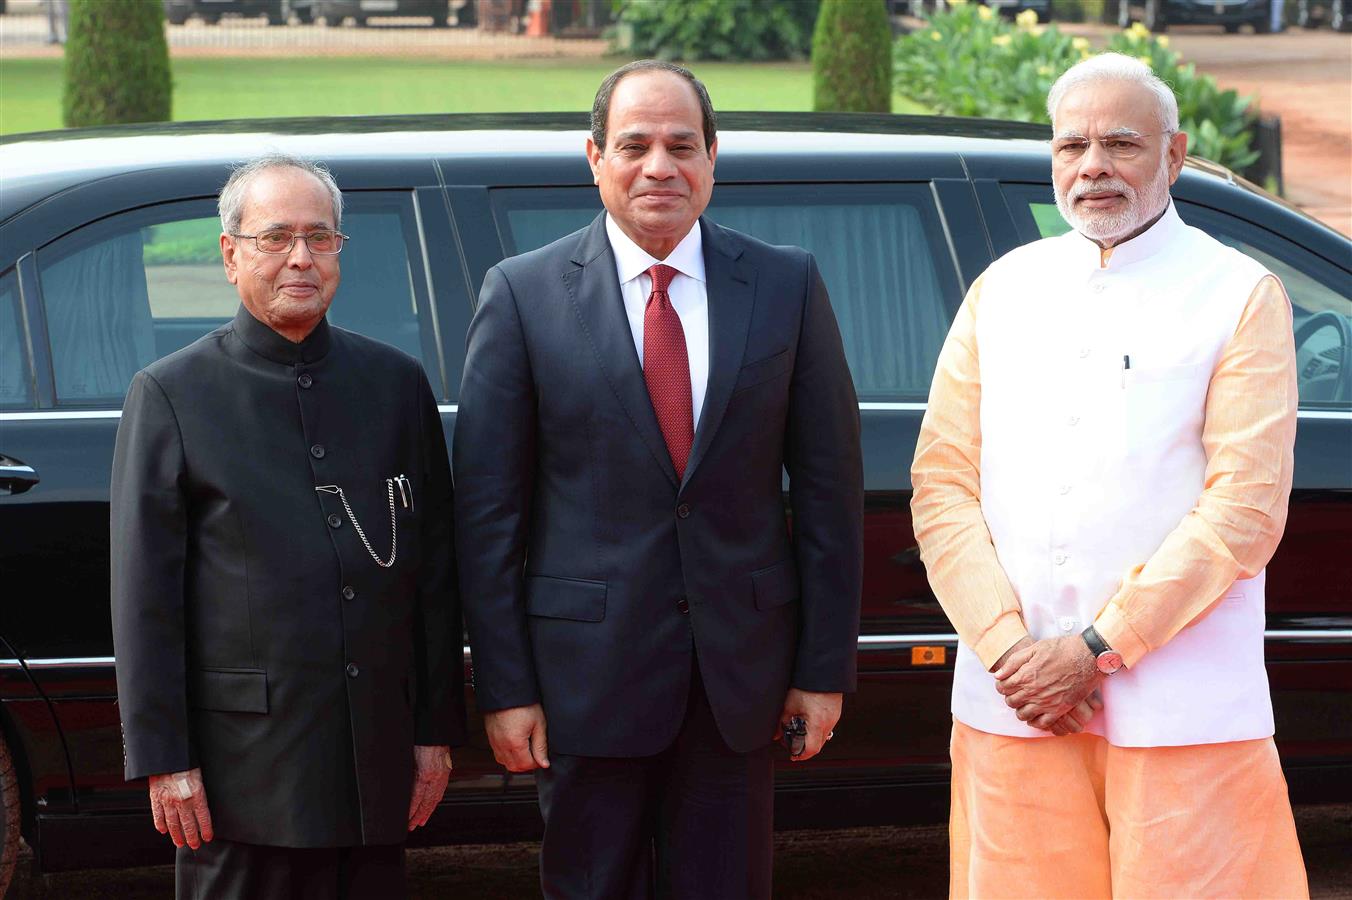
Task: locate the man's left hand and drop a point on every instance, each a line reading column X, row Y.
column 1046, row 680
column 432, row 770
column 820, row 711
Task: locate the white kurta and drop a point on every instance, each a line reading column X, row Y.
column 1093, row 398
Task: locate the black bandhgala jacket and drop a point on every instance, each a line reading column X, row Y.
column 256, row 636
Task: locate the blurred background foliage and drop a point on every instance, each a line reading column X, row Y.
column 852, row 57
column 969, row 61
column 743, row 30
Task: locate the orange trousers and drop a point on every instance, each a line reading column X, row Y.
column 1076, row 817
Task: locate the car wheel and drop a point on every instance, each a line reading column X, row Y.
column 177, row 16
column 1232, row 28
column 359, row 21
column 1155, row 19
column 210, row 18
column 9, row 817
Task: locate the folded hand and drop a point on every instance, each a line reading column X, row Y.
column 431, row 772
column 1047, row 679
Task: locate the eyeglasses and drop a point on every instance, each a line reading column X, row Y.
column 1117, row 146
column 322, row 243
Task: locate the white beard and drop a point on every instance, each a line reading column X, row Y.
column 1112, row 226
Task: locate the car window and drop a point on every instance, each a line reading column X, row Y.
column 16, row 385
column 127, row 290
column 1321, row 303
column 880, row 250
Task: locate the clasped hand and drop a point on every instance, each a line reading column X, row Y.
column 1050, row 684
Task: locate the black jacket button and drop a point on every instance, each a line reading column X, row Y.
column 683, row 605
column 317, row 451
column 305, row 380
column 683, row 511
column 335, row 520
column 352, row 670
column 348, row 593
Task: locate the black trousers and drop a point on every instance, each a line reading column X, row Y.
column 227, row 870
column 694, row 822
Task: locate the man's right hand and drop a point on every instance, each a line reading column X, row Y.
column 178, row 801
column 517, row 736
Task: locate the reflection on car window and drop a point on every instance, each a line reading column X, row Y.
column 128, row 290
column 879, row 248
column 16, row 386
column 1320, row 302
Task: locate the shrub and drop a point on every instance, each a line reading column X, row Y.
column 741, row 30
column 852, row 57
column 969, row 62
column 117, row 63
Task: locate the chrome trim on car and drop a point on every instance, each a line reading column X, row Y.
column 865, row 406
column 866, row 642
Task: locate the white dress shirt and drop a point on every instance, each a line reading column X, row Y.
column 688, row 296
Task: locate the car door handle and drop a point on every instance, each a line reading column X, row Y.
column 16, row 476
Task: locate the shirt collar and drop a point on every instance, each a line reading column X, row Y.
column 1143, row 246
column 631, row 260
column 268, row 344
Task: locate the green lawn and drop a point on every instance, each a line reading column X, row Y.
column 226, row 88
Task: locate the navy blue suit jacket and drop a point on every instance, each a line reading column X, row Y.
column 578, row 547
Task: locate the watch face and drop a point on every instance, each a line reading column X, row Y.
column 1109, row 662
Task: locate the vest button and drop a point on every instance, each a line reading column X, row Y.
column 1084, row 351
column 318, row 451
column 348, row 593
column 305, row 380
column 335, row 520
column 352, row 670
column 1100, row 288
column 683, row 605
column 1073, row 420
column 1059, row 558
column 683, row 511
column 1065, row 489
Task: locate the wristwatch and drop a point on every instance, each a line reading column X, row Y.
column 1106, row 658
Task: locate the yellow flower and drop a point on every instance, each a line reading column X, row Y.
column 1044, row 70
column 936, row 36
column 1162, row 40
column 1145, row 59
column 984, row 13
column 1026, row 19
column 957, row 2
column 1001, row 40
column 1085, row 54
column 1081, row 44
column 1036, row 30
column 1137, row 30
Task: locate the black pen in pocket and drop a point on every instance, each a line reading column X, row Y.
column 1126, row 366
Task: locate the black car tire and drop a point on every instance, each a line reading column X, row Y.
column 177, row 16
column 9, row 817
column 1231, row 27
column 211, row 18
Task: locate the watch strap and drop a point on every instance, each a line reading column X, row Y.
column 1097, row 645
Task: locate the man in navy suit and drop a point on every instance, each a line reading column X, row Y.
column 643, row 620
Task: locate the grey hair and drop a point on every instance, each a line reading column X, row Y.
column 231, row 202
column 1116, row 67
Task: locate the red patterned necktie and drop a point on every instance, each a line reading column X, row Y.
column 666, row 369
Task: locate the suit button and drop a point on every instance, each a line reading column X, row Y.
column 683, row 605
column 352, row 670
column 683, row 511
column 335, row 520
column 305, row 380
column 348, row 593
column 317, row 451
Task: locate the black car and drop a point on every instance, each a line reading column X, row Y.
column 277, row 12
column 1158, row 15
column 109, row 260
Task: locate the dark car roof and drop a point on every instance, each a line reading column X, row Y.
column 544, row 148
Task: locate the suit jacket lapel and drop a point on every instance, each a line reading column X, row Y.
column 731, row 288
column 594, row 291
